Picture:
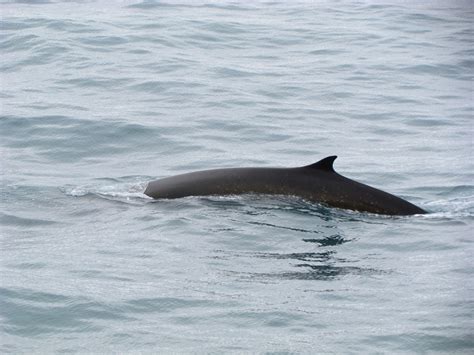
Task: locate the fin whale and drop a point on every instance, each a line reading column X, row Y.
column 317, row 182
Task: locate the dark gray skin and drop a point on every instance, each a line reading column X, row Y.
column 316, row 183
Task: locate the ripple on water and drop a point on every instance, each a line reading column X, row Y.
column 47, row 313
column 64, row 138
column 101, row 99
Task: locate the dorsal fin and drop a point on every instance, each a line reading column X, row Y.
column 324, row 164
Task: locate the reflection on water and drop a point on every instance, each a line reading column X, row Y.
column 310, row 257
column 317, row 266
column 321, row 265
column 284, row 227
column 264, row 203
column 261, row 204
column 317, row 258
column 324, row 272
column 332, row 240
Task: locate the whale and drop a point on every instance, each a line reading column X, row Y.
column 318, row 183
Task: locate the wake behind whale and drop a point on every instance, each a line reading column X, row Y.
column 318, row 182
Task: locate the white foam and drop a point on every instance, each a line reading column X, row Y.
column 125, row 190
column 450, row 208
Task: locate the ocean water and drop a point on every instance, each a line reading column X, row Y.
column 98, row 98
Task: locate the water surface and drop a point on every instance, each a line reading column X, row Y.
column 99, row 98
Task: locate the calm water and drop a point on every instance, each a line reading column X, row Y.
column 97, row 99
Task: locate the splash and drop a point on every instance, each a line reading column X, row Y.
column 455, row 207
column 119, row 189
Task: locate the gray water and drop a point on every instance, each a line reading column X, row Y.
column 98, row 98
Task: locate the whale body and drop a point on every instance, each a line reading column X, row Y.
column 317, row 182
